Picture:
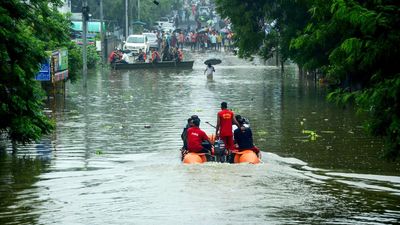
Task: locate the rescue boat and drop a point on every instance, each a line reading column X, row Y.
column 220, row 154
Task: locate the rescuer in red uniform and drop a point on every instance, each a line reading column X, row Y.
column 225, row 119
column 197, row 139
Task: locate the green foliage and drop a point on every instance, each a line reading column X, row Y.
column 114, row 11
column 92, row 57
column 355, row 43
column 75, row 63
column 382, row 103
column 28, row 29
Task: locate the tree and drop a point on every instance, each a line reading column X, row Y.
column 28, row 29
column 354, row 43
column 114, row 10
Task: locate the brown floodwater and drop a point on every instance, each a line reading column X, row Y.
column 114, row 156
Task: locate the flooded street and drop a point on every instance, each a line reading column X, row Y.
column 114, row 157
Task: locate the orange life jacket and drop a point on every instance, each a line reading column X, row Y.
column 155, row 56
column 180, row 55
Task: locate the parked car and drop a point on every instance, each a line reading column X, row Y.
column 152, row 38
column 164, row 19
column 136, row 42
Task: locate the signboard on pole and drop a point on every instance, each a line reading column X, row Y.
column 45, row 71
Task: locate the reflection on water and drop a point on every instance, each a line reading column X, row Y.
column 114, row 157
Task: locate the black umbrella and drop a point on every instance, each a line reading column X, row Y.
column 212, row 61
column 202, row 31
column 178, row 30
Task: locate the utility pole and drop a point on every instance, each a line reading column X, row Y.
column 103, row 52
column 126, row 19
column 138, row 8
column 85, row 18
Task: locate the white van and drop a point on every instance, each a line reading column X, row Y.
column 136, row 42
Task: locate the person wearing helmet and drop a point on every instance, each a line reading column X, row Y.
column 244, row 137
column 196, row 138
column 184, row 132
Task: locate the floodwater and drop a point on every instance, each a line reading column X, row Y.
column 114, row 157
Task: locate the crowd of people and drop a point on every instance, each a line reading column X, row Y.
column 204, row 38
column 196, row 140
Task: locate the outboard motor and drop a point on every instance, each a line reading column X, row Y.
column 219, row 151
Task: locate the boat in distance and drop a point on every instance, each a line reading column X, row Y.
column 146, row 65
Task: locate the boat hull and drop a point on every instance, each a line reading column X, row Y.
column 246, row 156
column 194, row 158
column 159, row 65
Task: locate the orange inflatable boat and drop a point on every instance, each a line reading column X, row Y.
column 219, row 154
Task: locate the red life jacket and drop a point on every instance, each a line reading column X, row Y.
column 180, row 55
column 155, row 56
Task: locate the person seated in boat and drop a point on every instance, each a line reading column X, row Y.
column 184, row 135
column 245, row 121
column 125, row 58
column 155, row 56
column 243, row 136
column 115, row 56
column 184, row 132
column 142, row 56
column 197, row 139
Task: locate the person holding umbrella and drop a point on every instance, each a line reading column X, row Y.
column 210, row 70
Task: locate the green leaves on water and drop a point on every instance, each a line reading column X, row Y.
column 311, row 134
column 99, row 152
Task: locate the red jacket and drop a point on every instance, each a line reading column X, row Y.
column 195, row 136
column 225, row 119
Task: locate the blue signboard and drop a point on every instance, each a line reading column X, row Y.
column 44, row 73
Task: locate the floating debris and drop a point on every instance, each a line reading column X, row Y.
column 261, row 133
column 147, row 126
column 327, row 131
column 312, row 134
column 99, row 152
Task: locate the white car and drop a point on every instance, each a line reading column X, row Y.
column 136, row 42
column 168, row 27
column 152, row 38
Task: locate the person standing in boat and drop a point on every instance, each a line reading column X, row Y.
column 209, row 70
column 225, row 120
column 197, row 139
column 244, row 137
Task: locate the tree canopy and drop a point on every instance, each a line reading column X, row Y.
column 27, row 30
column 114, row 10
column 354, row 43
